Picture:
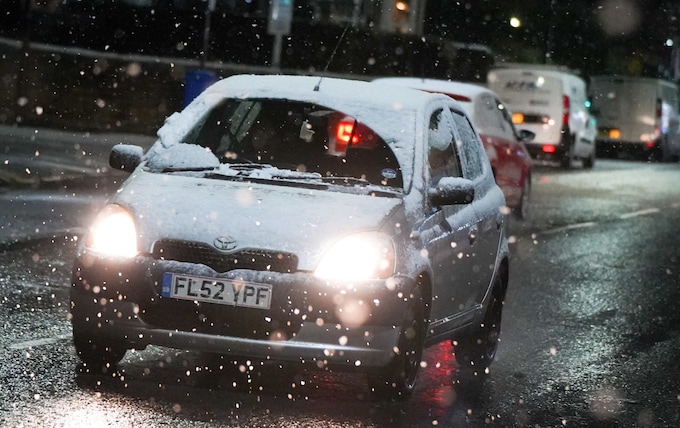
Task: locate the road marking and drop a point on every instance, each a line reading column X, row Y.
column 570, row 227
column 639, row 213
column 593, row 223
column 38, row 342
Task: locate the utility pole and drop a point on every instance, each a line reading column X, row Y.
column 209, row 9
column 550, row 33
column 278, row 25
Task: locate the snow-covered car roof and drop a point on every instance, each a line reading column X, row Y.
column 453, row 89
column 469, row 90
column 392, row 113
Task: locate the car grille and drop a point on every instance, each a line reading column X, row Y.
column 196, row 252
column 208, row 318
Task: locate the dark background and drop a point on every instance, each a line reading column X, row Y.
column 66, row 89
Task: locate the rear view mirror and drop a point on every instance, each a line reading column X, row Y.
column 452, row 191
column 126, row 157
column 525, row 135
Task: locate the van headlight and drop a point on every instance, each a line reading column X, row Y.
column 113, row 233
column 361, row 256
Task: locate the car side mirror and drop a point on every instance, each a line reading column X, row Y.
column 126, row 157
column 525, row 135
column 452, row 191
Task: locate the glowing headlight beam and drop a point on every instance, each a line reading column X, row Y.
column 113, row 233
column 358, row 257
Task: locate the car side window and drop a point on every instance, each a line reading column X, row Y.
column 488, row 112
column 471, row 147
column 508, row 126
column 443, row 157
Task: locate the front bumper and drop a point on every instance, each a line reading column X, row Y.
column 309, row 321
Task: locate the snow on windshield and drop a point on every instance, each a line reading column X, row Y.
column 391, row 114
column 347, row 129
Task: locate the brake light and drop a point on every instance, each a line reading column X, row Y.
column 517, row 118
column 549, row 148
column 345, row 131
column 350, row 132
column 461, row 98
column 566, row 104
column 614, row 133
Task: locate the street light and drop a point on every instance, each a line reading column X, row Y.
column 515, row 22
column 401, row 6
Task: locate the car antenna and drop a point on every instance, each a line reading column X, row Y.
column 342, row 36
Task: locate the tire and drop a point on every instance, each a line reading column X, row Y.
column 475, row 353
column 589, row 162
column 521, row 212
column 568, row 155
column 665, row 152
column 398, row 379
column 98, row 354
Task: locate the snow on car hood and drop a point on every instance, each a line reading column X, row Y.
column 263, row 216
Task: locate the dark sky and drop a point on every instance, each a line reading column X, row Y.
column 623, row 36
column 594, row 36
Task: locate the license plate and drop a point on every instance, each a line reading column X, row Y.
column 214, row 290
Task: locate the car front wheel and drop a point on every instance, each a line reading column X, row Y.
column 398, row 379
column 475, row 353
column 97, row 354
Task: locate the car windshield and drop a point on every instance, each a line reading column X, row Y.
column 284, row 139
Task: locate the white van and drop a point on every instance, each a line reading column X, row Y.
column 636, row 114
column 550, row 101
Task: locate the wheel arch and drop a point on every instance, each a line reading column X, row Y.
column 504, row 273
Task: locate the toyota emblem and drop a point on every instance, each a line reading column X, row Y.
column 225, row 243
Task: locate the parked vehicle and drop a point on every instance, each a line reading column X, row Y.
column 510, row 160
column 637, row 115
column 551, row 102
column 303, row 220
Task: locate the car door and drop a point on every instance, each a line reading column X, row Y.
column 487, row 220
column 515, row 156
column 447, row 232
column 498, row 136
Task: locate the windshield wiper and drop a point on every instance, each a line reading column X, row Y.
column 188, row 169
column 239, row 166
column 278, row 181
column 345, row 180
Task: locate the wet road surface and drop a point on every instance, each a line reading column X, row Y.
column 591, row 333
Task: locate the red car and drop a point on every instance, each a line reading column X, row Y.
column 504, row 145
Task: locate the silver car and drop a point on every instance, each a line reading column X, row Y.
column 331, row 223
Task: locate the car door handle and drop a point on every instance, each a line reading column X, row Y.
column 472, row 234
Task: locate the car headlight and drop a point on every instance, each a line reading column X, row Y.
column 113, row 233
column 358, row 257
